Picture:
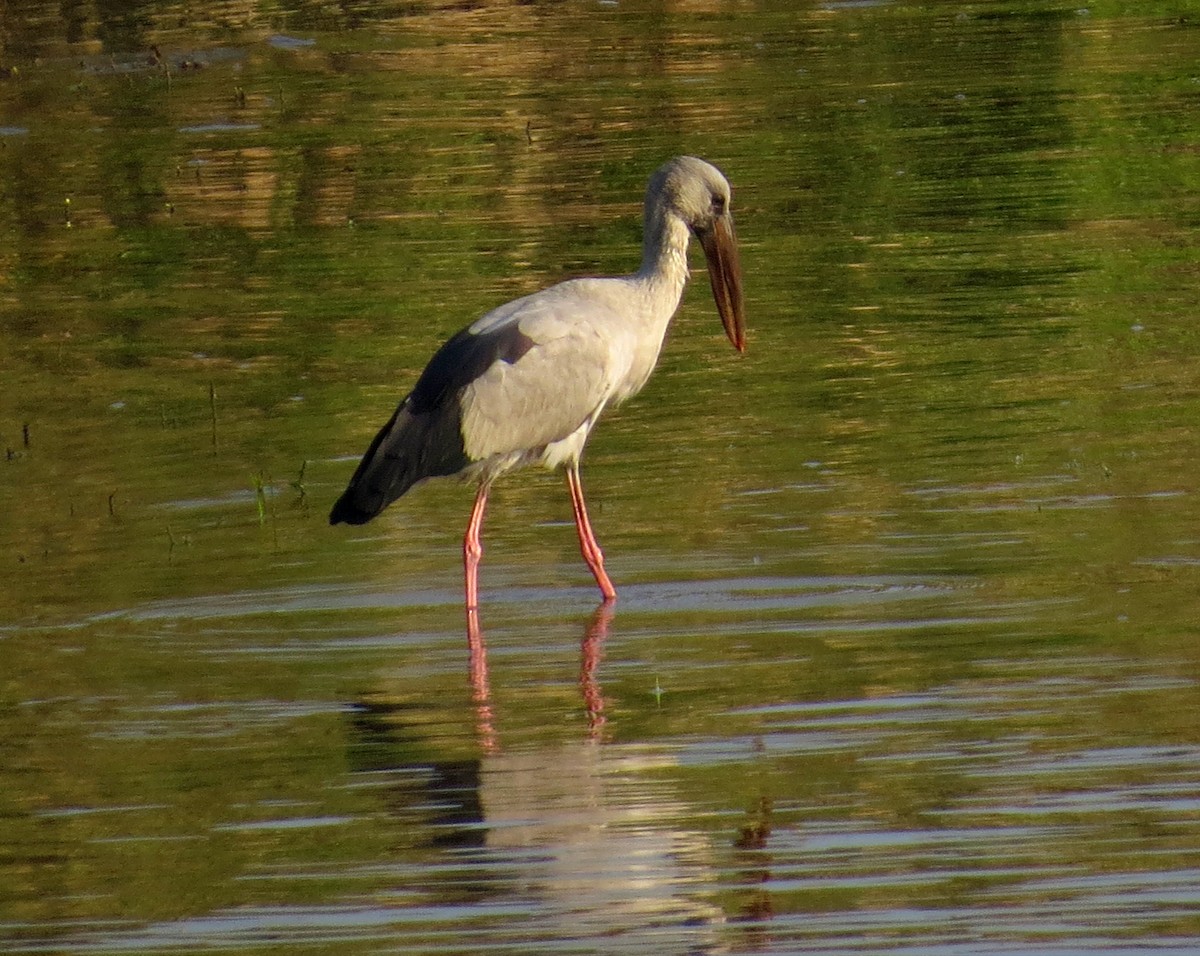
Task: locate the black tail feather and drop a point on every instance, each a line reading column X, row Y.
column 408, row 449
column 349, row 510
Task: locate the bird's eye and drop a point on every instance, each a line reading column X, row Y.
column 718, row 204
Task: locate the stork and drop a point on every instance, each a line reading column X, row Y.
column 525, row 383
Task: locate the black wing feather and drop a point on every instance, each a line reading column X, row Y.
column 462, row 359
column 423, row 438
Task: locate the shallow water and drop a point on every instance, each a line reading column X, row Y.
column 905, row 654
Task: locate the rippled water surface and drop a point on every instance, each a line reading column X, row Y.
column 905, row 657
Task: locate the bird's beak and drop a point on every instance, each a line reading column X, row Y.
column 725, row 274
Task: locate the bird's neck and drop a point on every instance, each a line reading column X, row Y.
column 664, row 255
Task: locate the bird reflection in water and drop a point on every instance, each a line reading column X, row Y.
column 591, row 653
column 582, row 835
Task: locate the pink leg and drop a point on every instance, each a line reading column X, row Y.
column 477, row 652
column 587, row 540
column 473, row 549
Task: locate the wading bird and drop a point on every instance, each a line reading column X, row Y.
column 526, row 383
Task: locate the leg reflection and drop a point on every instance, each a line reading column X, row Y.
column 591, row 653
column 480, row 693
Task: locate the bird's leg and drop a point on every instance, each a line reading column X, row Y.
column 473, row 550
column 587, row 540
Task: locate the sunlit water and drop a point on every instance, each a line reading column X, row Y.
column 905, row 655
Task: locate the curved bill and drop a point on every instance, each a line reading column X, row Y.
column 725, row 274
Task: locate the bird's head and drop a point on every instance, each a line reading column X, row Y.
column 699, row 194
